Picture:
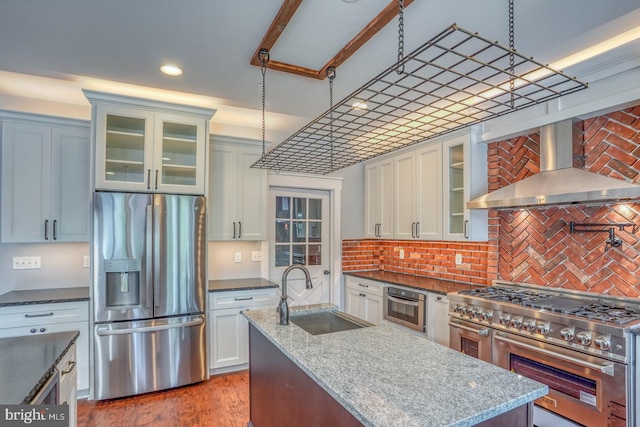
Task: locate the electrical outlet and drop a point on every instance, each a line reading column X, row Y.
column 26, row 263
column 86, row 261
column 401, row 251
column 238, row 257
column 256, row 256
column 458, row 259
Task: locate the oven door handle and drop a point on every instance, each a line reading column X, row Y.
column 482, row 332
column 403, row 301
column 605, row 368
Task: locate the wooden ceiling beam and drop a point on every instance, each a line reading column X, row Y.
column 285, row 14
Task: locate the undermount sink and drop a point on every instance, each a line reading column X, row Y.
column 325, row 322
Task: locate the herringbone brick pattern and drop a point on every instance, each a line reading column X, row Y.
column 535, row 245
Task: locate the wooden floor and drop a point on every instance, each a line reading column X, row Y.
column 222, row 401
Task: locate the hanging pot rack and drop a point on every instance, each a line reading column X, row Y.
column 453, row 81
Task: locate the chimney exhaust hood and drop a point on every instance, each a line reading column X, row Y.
column 559, row 182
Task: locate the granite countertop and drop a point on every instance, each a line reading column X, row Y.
column 26, row 363
column 44, row 296
column 240, row 284
column 430, row 284
column 388, row 377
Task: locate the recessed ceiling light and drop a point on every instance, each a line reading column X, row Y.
column 171, row 70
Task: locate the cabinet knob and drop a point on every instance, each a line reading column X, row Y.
column 33, row 330
column 43, row 329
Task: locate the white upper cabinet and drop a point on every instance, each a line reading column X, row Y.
column 378, row 199
column 45, row 180
column 149, row 146
column 237, row 193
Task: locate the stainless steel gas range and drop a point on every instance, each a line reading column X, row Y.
column 584, row 346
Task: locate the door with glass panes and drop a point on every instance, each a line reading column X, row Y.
column 299, row 234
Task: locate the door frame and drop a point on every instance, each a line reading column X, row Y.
column 334, row 186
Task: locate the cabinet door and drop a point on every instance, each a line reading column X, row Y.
column 26, row 170
column 373, row 309
column 438, row 319
column 355, row 303
column 378, row 200
column 429, row 192
column 229, row 338
column 179, row 154
column 70, row 193
column 405, row 196
column 222, row 192
column 252, row 196
column 124, row 149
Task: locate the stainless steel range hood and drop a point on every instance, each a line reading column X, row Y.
column 559, row 182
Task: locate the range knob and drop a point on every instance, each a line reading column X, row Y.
column 487, row 315
column 459, row 308
column 477, row 312
column 603, row 342
column 568, row 334
column 543, row 328
column 505, row 318
column 467, row 311
column 584, row 337
column 530, row 325
column 516, row 322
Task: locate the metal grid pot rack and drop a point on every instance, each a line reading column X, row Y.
column 453, row 81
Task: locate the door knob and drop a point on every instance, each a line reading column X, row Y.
column 326, row 272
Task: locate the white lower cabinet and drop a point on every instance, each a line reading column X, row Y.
column 363, row 299
column 438, row 318
column 69, row 384
column 228, row 329
column 34, row 319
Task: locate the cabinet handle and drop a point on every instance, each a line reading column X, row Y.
column 234, row 230
column 55, row 229
column 466, row 228
column 364, row 286
column 244, row 299
column 39, row 315
column 148, row 179
column 378, row 230
column 362, row 295
column 417, row 230
column 46, row 229
column 156, row 186
column 70, row 368
column 413, row 230
column 239, row 229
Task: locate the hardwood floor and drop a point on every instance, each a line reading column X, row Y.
column 222, row 401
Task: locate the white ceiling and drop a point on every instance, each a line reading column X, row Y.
column 49, row 50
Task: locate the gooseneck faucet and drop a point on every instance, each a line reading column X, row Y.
column 283, row 307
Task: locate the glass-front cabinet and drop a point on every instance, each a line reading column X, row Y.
column 148, row 146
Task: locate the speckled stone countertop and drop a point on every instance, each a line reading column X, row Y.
column 430, row 284
column 26, row 363
column 388, row 377
column 44, row 296
column 240, row 284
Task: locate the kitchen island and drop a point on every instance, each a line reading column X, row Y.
column 375, row 376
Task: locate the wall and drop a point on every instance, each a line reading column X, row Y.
column 535, row 245
column 222, row 263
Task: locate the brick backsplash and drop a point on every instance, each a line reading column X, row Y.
column 534, row 245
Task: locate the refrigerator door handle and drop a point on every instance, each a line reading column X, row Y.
column 106, row 331
column 156, row 252
column 149, row 251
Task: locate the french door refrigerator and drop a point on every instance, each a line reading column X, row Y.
column 149, row 258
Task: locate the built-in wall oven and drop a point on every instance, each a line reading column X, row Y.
column 404, row 307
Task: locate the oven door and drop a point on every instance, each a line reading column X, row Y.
column 407, row 312
column 470, row 338
column 583, row 388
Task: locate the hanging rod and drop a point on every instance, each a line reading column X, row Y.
column 453, row 81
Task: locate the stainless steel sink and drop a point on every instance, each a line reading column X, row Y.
column 325, row 322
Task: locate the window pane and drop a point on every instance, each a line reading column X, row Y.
column 299, row 254
column 283, row 209
column 299, row 208
column 315, row 208
column 299, row 231
column 315, row 231
column 282, row 255
column 315, row 255
column 283, row 234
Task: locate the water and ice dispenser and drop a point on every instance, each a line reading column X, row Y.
column 123, row 282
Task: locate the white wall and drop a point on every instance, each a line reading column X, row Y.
column 351, row 218
column 61, row 266
column 222, row 263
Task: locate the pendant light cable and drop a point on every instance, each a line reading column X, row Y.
column 512, row 48
column 331, row 74
column 263, row 56
column 400, row 68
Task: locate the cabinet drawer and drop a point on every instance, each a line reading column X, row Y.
column 242, row 299
column 43, row 314
column 364, row 285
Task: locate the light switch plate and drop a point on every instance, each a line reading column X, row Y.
column 401, row 254
column 237, row 257
column 86, row 261
column 458, row 259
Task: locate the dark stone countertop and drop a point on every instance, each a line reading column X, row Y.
column 44, row 296
column 240, row 284
column 26, row 363
column 429, row 284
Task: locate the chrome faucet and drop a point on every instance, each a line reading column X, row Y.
column 283, row 307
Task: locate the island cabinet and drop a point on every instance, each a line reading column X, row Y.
column 228, row 328
column 363, row 299
column 68, row 383
column 378, row 200
column 149, row 146
column 438, row 318
column 41, row 319
column 45, row 179
column 237, row 193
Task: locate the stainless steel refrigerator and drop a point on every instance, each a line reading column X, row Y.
column 149, row 258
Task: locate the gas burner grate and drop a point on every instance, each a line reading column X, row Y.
column 607, row 313
column 513, row 296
